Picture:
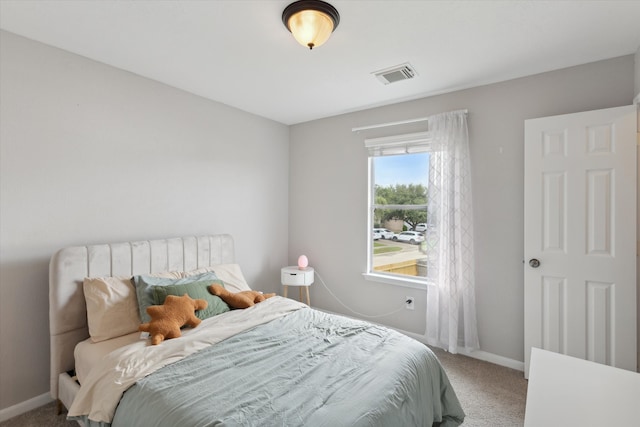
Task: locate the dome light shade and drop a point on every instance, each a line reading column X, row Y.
column 310, row 21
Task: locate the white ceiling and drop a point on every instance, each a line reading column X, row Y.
column 239, row 53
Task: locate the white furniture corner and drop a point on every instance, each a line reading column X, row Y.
column 294, row 276
column 567, row 391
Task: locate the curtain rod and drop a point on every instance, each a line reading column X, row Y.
column 383, row 125
column 401, row 122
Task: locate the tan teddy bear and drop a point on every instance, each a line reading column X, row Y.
column 242, row 299
column 168, row 318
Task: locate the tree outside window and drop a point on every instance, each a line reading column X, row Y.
column 399, row 193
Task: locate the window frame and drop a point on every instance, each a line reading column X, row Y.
column 402, row 144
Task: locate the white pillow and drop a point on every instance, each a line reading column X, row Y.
column 112, row 307
column 230, row 274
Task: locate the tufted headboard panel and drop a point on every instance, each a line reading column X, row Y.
column 69, row 267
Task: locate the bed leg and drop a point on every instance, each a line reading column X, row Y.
column 59, row 407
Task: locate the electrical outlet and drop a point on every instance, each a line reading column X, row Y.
column 408, row 303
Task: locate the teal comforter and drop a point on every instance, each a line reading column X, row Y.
column 307, row 368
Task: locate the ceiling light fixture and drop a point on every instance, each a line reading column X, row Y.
column 310, row 21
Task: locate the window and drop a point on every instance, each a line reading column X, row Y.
column 398, row 201
column 444, row 259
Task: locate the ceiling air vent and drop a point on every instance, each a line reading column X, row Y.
column 396, row 74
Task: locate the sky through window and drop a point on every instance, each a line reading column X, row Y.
column 402, row 169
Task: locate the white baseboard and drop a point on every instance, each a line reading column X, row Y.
column 26, row 406
column 476, row 354
column 495, row 359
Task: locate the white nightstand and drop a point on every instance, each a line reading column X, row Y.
column 293, row 276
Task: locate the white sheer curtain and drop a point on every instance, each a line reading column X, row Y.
column 451, row 313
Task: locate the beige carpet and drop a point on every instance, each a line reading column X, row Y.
column 40, row 417
column 490, row 395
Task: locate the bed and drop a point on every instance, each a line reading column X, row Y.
column 279, row 362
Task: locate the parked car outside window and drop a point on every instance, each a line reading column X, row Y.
column 412, row 237
column 384, row 233
column 421, row 227
column 376, row 235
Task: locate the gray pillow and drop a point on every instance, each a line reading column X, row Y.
column 196, row 290
column 144, row 283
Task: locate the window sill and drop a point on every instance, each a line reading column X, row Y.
column 398, row 281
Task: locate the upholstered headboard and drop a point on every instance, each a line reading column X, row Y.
column 69, row 267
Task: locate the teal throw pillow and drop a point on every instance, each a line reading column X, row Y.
column 196, row 290
column 144, row 283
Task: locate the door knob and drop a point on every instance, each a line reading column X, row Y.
column 534, row 263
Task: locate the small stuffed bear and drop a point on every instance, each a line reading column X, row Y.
column 167, row 319
column 242, row 299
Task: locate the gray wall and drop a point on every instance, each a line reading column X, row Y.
column 328, row 187
column 637, row 73
column 92, row 154
column 637, row 100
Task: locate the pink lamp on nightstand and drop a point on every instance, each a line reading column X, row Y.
column 303, row 262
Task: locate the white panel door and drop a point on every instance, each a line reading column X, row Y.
column 580, row 236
